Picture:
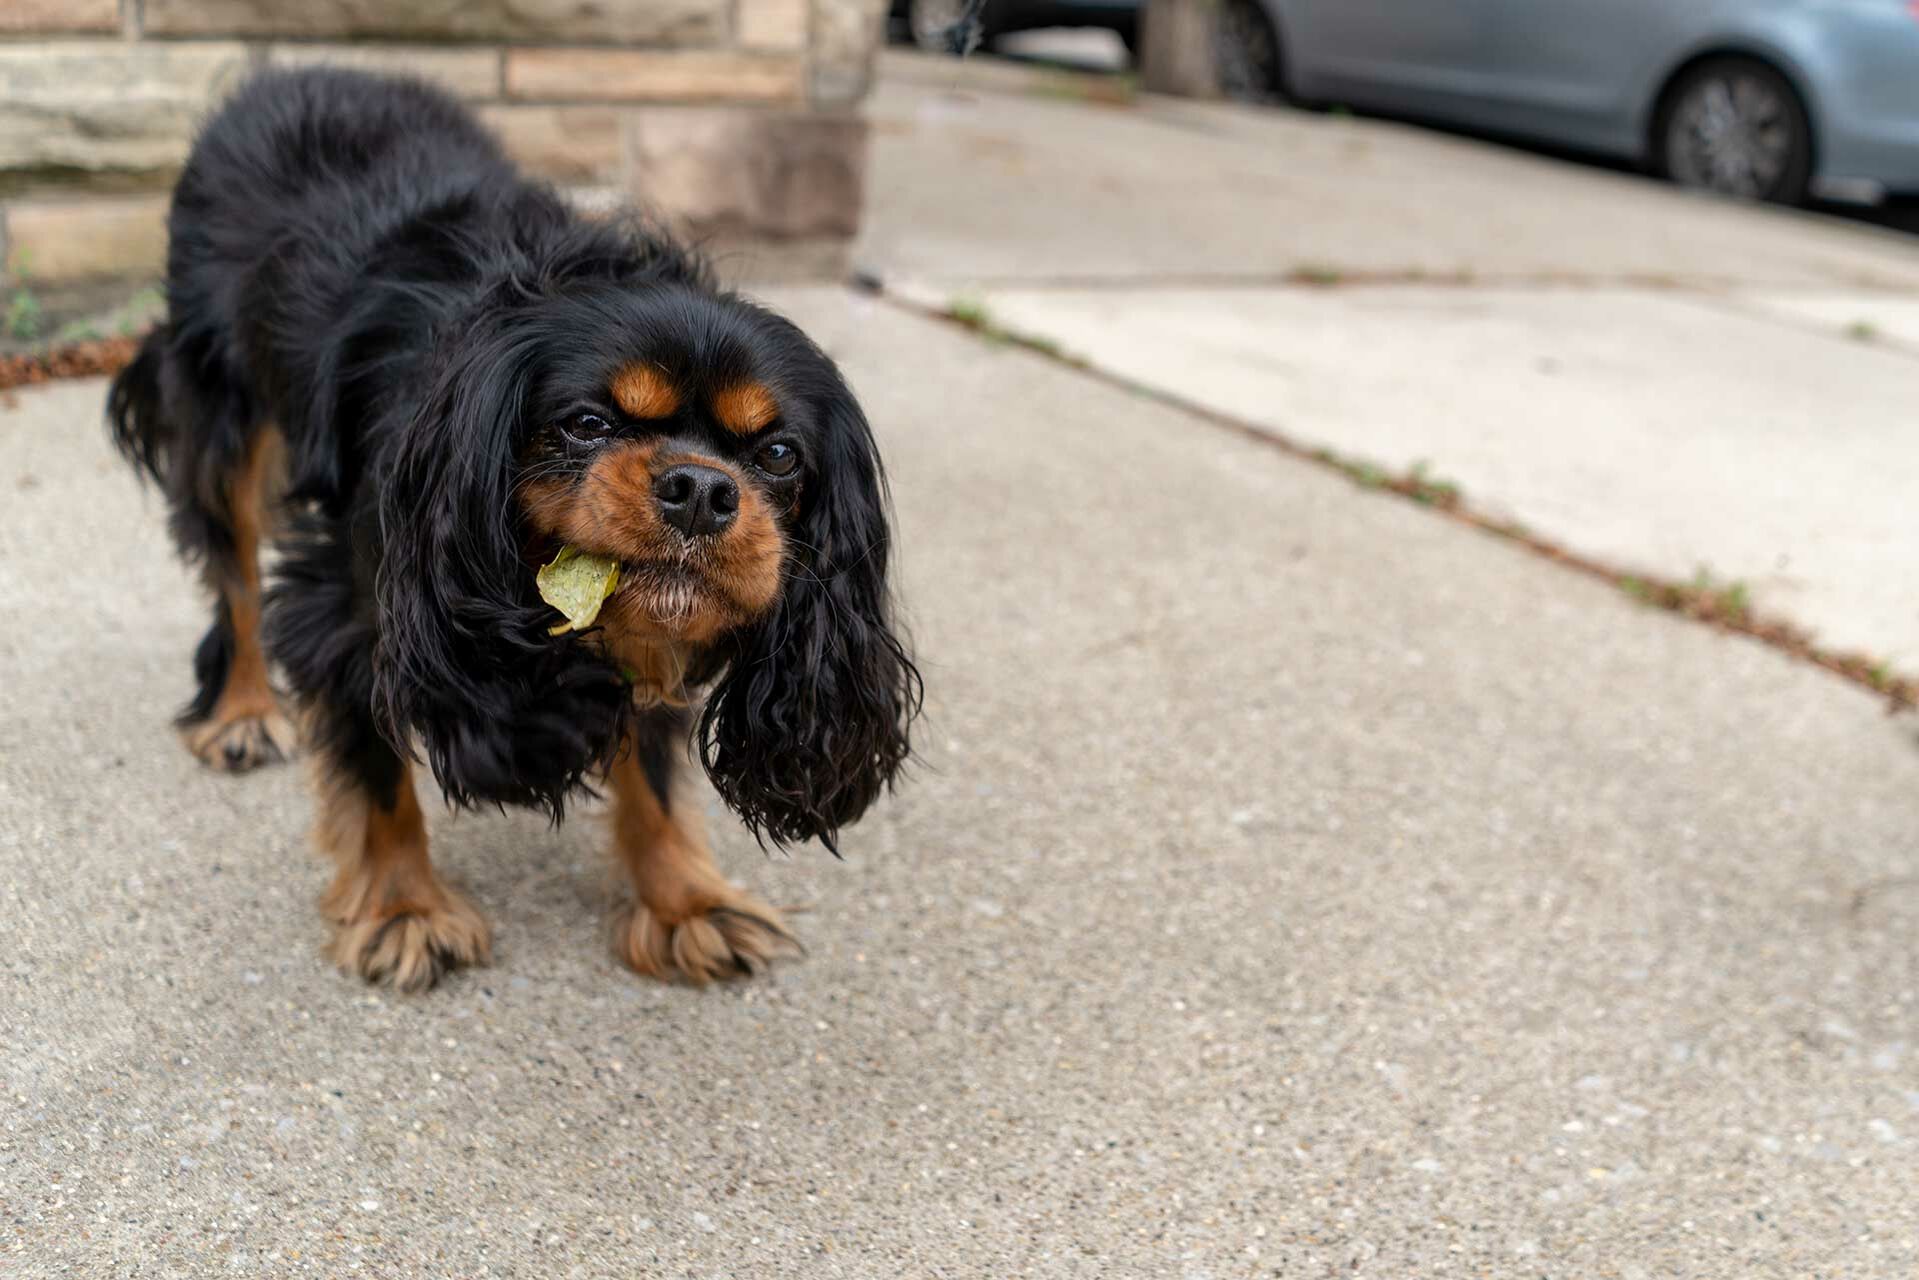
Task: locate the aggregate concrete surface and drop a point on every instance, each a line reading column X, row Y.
column 1294, row 885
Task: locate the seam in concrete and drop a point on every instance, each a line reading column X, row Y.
column 1733, row 304
column 1313, row 276
column 1722, row 606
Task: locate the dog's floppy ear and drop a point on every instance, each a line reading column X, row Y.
column 508, row 714
column 810, row 721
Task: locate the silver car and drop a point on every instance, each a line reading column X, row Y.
column 1767, row 99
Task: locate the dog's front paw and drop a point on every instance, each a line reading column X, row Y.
column 411, row 947
column 236, row 743
column 735, row 937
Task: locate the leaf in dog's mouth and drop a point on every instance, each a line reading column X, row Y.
column 577, row 583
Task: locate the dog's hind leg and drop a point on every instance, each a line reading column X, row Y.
column 234, row 721
column 684, row 918
column 194, row 433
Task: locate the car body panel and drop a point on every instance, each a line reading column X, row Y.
column 1589, row 74
column 1001, row 17
column 1411, row 47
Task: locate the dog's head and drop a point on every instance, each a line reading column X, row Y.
column 717, row 454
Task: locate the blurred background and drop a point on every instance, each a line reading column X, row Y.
column 1715, row 96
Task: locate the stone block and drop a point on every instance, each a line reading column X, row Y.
column 42, row 17
column 93, row 105
column 568, row 144
column 759, row 263
column 773, row 25
column 470, row 72
column 61, row 240
column 608, row 21
column 642, row 75
column 847, row 35
column 731, row 171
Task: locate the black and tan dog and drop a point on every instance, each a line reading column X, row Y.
column 422, row 375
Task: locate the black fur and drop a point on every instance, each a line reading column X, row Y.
column 354, row 260
column 798, row 735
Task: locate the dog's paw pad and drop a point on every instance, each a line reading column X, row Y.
column 413, row 948
column 736, row 938
column 240, row 743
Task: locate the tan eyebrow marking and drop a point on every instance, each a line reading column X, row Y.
column 745, row 407
column 643, row 391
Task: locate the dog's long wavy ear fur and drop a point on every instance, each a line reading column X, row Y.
column 811, row 720
column 508, row 715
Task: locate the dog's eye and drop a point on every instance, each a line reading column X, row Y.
column 587, row 428
column 777, row 459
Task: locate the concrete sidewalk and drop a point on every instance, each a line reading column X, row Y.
column 1665, row 382
column 1295, row 885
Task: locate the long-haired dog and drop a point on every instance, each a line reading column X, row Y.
column 421, row 375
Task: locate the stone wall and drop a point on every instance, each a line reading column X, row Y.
column 736, row 119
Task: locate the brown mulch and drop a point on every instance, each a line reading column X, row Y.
column 80, row 360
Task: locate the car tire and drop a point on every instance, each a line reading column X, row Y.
column 1738, row 127
column 932, row 21
column 1248, row 58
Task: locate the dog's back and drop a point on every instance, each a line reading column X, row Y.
column 300, row 175
column 293, row 188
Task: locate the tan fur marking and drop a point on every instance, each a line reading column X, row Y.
column 643, row 391
column 745, row 407
column 684, row 920
column 395, row 921
column 656, row 614
column 245, row 728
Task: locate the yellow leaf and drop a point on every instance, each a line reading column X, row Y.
column 576, row 583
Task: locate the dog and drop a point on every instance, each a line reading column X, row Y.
column 420, row 375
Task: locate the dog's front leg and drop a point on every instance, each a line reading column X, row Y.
column 395, row 921
column 684, row 918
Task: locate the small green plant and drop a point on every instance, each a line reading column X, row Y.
column 970, row 312
column 1863, row 331
column 139, row 311
column 76, row 331
column 1317, row 275
column 1424, row 488
column 23, row 316
column 1736, row 600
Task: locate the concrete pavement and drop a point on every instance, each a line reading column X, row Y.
column 1295, row 885
column 1666, row 382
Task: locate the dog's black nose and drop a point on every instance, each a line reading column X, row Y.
column 696, row 499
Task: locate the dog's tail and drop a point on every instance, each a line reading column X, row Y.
column 136, row 410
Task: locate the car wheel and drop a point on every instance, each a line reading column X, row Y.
column 933, row 24
column 1246, row 52
column 1736, row 126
